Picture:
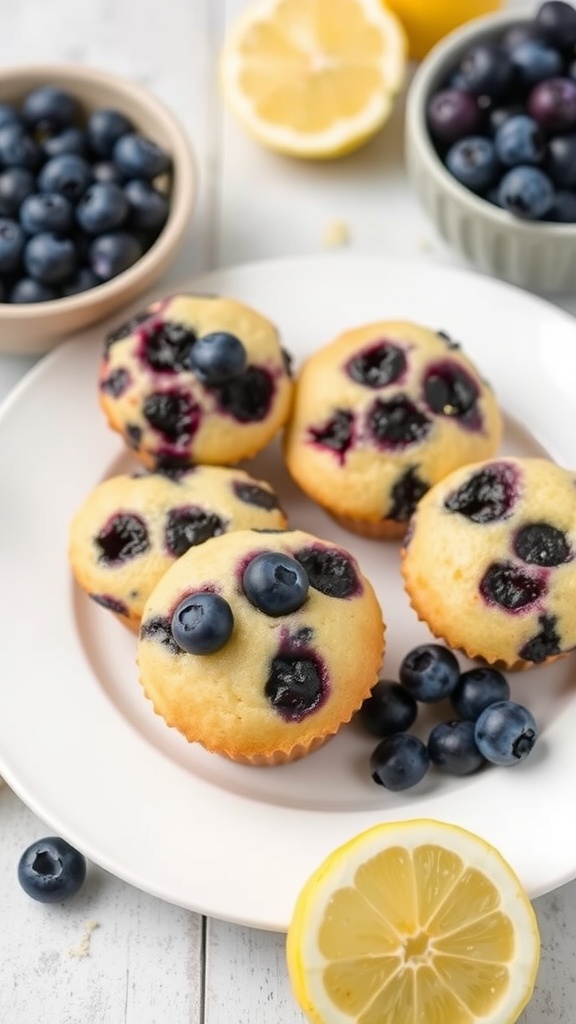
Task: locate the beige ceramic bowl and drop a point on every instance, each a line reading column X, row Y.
column 540, row 256
column 37, row 327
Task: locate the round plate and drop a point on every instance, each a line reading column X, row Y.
column 80, row 743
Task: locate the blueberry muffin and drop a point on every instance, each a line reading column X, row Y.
column 380, row 414
column 489, row 561
column 261, row 645
column 195, row 379
column 132, row 527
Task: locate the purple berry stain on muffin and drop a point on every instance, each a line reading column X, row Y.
column 122, row 538
column 397, row 423
column 488, row 495
column 297, row 683
column 545, row 644
column 377, row 365
column 337, row 434
column 112, row 604
column 406, row 494
column 159, row 630
column 116, row 383
column 173, row 414
column 189, row 526
column 330, row 570
column 165, row 346
column 253, row 494
column 541, row 544
column 126, row 329
column 450, row 391
column 248, row 397
column 511, row 587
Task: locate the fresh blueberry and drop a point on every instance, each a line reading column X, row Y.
column 388, row 709
column 498, row 115
column 102, row 208
column 9, row 115
column 17, row 148
column 534, row 61
column 12, row 241
column 399, row 761
column 15, row 184
column 29, row 290
column 202, row 623
column 520, row 141
column 526, row 192
column 473, row 162
column 218, row 357
column 50, row 258
column 505, row 732
column 275, row 583
column 429, row 672
column 476, row 690
column 558, row 21
column 139, row 157
column 106, row 171
column 486, row 70
column 518, row 34
column 453, row 114
column 148, row 206
column 111, row 253
column 50, row 870
column 452, row 748
column 84, row 279
column 561, row 160
column 49, row 108
column 552, row 104
column 68, row 174
column 563, row 209
column 105, row 127
column 70, row 140
column 46, row 211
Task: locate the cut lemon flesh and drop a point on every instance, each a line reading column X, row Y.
column 313, row 78
column 414, row 922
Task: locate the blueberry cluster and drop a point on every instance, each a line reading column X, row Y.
column 504, row 121
column 489, row 727
column 79, row 196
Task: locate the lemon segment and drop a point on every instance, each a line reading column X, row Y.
column 313, row 78
column 418, row 922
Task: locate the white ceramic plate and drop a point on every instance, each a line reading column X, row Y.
column 81, row 745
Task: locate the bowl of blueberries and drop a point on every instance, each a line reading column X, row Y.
column 491, row 144
column 97, row 187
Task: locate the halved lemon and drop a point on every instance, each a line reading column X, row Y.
column 413, row 922
column 313, row 78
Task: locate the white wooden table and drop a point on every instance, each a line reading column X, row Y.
column 115, row 955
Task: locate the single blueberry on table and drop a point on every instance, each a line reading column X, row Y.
column 51, row 871
column 520, row 141
column 50, row 108
column 12, row 241
column 17, row 148
column 148, row 207
column 29, row 290
column 105, row 126
column 476, row 690
column 505, row 733
column 399, row 761
column 67, row 174
column 111, row 253
column 218, row 357
column 275, row 583
column 46, row 211
column 526, row 192
column 139, row 157
column 452, row 748
column 102, row 207
column 388, row 709
column 50, row 258
column 15, row 184
column 429, row 672
column 202, row 623
column 473, row 162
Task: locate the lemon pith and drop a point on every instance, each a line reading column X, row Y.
column 313, row 78
column 416, row 922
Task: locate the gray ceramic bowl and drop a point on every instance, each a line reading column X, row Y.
column 37, row 327
column 540, row 256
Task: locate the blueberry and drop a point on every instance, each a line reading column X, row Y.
column 50, row 870
column 476, row 690
column 202, row 623
column 520, row 141
column 168, row 346
column 102, row 207
column 46, row 211
column 50, row 258
column 15, row 184
column 107, row 171
column 188, row 526
column 526, row 192
column 147, row 205
column 12, row 241
column 561, row 160
column 429, row 672
column 139, row 157
column 111, row 253
column 563, row 209
column 449, row 390
column 487, row 496
column 118, row 381
column 558, row 21
column 453, row 114
column 253, row 494
column 71, row 140
column 49, row 108
column 172, row 413
column 378, row 365
column 388, row 709
column 486, row 70
column 399, row 761
column 9, row 115
column 29, row 290
column 510, row 587
column 406, row 494
column 473, row 162
column 397, row 422
column 552, row 104
column 82, row 281
column 248, row 396
column 505, row 732
column 218, row 357
column 17, row 148
column 336, row 433
column 452, row 748
column 534, row 61
column 518, row 34
column 121, row 539
column 329, row 570
column 67, row 174
column 104, row 128
column 497, row 116
column 541, row 544
column 295, row 687
column 275, row 583
column 545, row 644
